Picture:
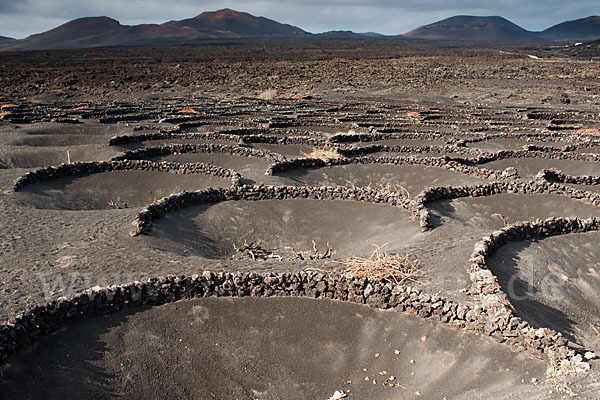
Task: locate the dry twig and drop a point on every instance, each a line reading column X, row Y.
column 398, row 189
column 118, row 204
column 315, row 254
column 503, row 218
column 255, row 251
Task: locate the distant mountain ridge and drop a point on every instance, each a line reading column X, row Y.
column 579, row 29
column 466, row 27
column 4, row 39
column 105, row 31
column 494, row 28
column 226, row 23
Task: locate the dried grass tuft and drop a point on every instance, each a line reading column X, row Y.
column 588, row 131
column 188, row 110
column 394, row 268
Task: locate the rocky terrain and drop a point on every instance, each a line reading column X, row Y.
column 222, row 221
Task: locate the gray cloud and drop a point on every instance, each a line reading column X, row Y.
column 19, row 18
column 10, row 6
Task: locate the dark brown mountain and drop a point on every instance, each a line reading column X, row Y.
column 4, row 39
column 580, row 29
column 347, row 35
column 104, row 31
column 465, row 27
column 83, row 32
column 236, row 23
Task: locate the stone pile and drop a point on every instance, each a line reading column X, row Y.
column 553, row 175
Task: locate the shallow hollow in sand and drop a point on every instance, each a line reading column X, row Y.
column 105, row 190
column 493, row 212
column 413, row 178
column 273, row 348
column 286, row 227
column 527, row 167
column 287, row 150
column 60, row 140
column 223, row 160
column 53, row 134
column 554, row 283
column 165, row 142
column 499, row 144
column 24, row 157
column 426, row 154
column 401, row 142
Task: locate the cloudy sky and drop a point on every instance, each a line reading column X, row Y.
column 20, row 18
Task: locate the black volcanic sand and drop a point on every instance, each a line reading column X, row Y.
column 495, row 145
column 159, row 143
column 223, row 160
column 351, row 228
column 460, row 223
column 320, row 130
column 45, row 144
column 554, row 283
column 415, row 155
column 274, row 348
column 58, row 140
column 287, row 150
column 96, row 191
column 488, row 211
column 56, row 134
column 61, row 135
column 47, row 254
column 28, row 157
column 528, row 167
column 403, row 142
column 413, row 178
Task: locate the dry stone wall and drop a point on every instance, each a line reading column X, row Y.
column 144, row 219
column 199, row 148
column 440, row 193
column 84, row 168
column 25, row 329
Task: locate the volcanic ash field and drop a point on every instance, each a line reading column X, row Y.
column 381, row 247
